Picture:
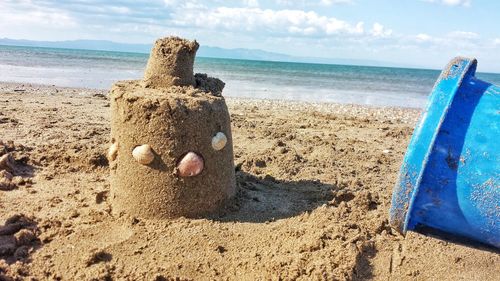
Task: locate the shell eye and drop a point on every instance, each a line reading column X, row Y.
column 190, row 165
column 219, row 141
column 143, row 154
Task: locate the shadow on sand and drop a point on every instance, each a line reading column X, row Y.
column 266, row 199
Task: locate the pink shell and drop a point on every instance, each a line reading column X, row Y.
column 190, row 165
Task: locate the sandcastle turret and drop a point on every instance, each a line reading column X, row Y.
column 171, row 63
column 171, row 151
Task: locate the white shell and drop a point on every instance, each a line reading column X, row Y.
column 143, row 154
column 113, row 151
column 219, row 141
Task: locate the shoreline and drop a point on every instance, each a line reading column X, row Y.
column 270, row 102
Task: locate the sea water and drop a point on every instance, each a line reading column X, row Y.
column 366, row 85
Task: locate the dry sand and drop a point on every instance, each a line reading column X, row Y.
column 314, row 181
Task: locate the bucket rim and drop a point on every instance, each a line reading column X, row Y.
column 423, row 139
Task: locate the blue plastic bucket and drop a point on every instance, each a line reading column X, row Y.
column 449, row 181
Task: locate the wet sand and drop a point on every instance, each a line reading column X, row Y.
column 314, row 180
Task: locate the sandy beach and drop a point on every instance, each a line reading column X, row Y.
column 314, row 186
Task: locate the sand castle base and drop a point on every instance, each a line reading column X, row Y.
column 172, row 125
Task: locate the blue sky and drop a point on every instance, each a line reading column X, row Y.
column 424, row 33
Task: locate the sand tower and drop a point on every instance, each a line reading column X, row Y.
column 171, row 150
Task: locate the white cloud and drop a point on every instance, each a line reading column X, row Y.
column 457, row 2
column 379, row 30
column 422, row 37
column 195, row 18
column 92, row 19
column 273, row 22
column 332, row 2
column 463, row 35
column 296, row 4
column 465, row 3
column 251, row 3
column 496, row 42
column 286, row 2
column 28, row 14
column 188, row 4
column 456, row 38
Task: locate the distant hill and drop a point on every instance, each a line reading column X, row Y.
column 101, row 45
column 204, row 51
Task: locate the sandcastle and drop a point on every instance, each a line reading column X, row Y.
column 171, row 151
